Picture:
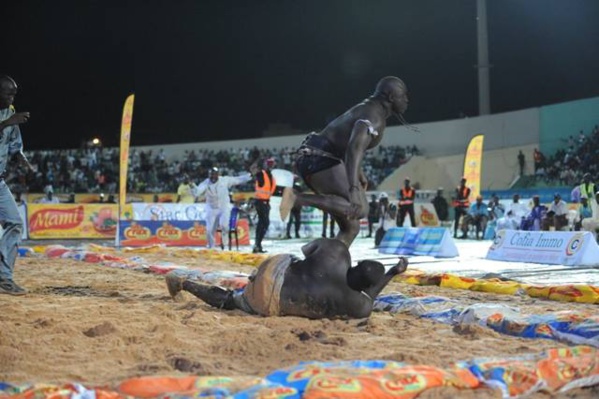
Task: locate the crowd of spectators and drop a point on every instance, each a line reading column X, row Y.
column 567, row 165
column 96, row 169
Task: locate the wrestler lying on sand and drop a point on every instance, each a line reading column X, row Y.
column 323, row 285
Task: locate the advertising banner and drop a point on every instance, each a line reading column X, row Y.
column 434, row 241
column 571, row 248
column 126, row 122
column 175, row 233
column 425, row 215
column 169, row 211
column 472, row 165
column 71, row 221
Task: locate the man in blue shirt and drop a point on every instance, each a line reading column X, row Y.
column 478, row 215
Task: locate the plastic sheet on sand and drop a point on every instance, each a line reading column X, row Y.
column 552, row 371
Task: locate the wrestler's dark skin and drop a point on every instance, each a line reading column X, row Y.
column 323, row 285
column 340, row 190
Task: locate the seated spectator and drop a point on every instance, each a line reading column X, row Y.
column 496, row 212
column 584, row 212
column 515, row 212
column 592, row 223
column 556, row 215
column 477, row 216
column 532, row 221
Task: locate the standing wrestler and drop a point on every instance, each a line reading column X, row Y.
column 330, row 161
column 11, row 145
column 323, row 285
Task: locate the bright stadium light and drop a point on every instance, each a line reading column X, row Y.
column 96, row 141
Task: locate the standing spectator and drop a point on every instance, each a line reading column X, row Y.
column 587, row 188
column 325, row 218
column 388, row 220
column 295, row 216
column 539, row 159
column 461, row 203
column 10, row 145
column 218, row 203
column 265, row 186
column 556, row 215
column 406, row 203
column 373, row 214
column 441, row 206
column 185, row 192
column 521, row 162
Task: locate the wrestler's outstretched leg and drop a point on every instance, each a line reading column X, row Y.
column 213, row 296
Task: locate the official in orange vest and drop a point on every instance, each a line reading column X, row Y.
column 265, row 187
column 461, row 203
column 407, row 195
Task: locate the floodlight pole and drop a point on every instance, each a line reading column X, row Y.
column 484, row 102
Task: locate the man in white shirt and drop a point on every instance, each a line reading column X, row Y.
column 49, row 198
column 514, row 213
column 592, row 224
column 556, row 214
column 218, row 203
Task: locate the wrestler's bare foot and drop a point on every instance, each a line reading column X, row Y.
column 400, row 267
column 174, row 284
column 287, row 202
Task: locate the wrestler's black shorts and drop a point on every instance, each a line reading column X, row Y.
column 309, row 164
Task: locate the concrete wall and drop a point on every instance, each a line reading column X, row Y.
column 499, row 170
column 435, row 139
column 509, row 129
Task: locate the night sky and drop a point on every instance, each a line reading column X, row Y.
column 207, row 70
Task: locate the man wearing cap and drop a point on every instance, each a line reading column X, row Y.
column 556, row 216
column 461, row 203
column 592, row 223
column 406, row 204
column 478, row 215
column 218, row 203
column 265, row 187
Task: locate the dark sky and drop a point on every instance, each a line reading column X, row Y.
column 221, row 69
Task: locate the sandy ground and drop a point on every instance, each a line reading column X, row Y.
column 89, row 323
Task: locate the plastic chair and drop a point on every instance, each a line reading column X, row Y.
column 233, row 227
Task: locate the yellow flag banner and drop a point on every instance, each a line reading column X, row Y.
column 473, row 165
column 124, row 157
